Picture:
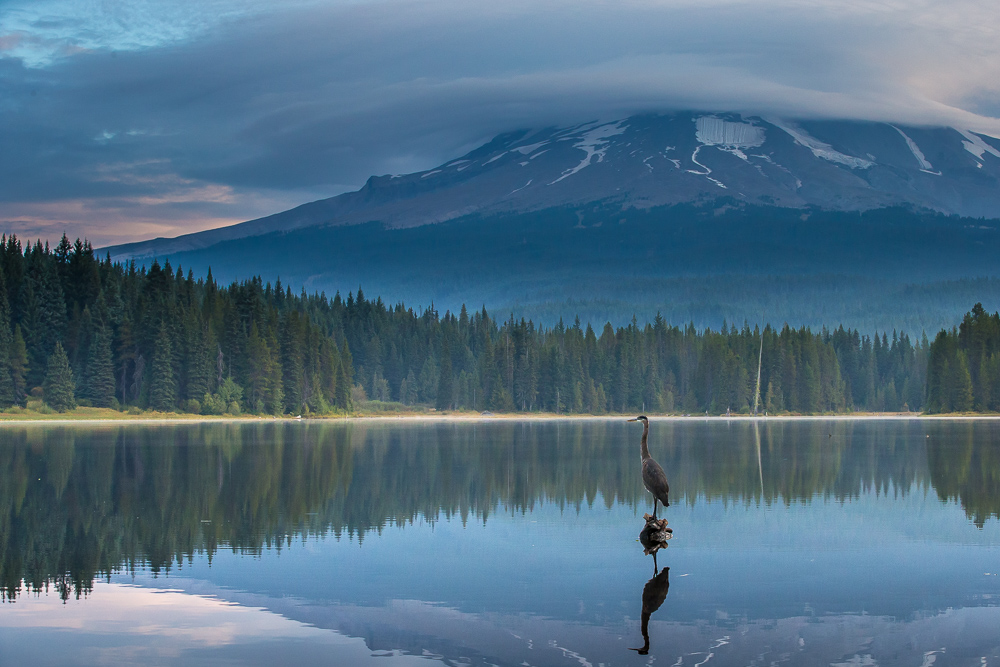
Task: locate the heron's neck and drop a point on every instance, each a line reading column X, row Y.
column 645, row 436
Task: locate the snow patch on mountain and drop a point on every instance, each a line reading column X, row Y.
column 975, row 145
column 708, row 170
column 714, row 131
column 530, row 148
column 925, row 166
column 819, row 148
column 521, row 188
column 694, row 158
column 594, row 142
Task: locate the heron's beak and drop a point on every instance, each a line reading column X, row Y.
column 633, row 420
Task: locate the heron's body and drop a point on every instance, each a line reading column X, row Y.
column 655, row 481
column 653, row 477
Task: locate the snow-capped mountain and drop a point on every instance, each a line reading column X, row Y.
column 653, row 160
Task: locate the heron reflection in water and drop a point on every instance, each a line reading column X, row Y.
column 653, row 595
column 653, row 477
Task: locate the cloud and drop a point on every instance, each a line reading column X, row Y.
column 274, row 104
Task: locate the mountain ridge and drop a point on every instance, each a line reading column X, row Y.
column 654, row 160
column 702, row 217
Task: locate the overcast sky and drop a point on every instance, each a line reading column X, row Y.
column 124, row 120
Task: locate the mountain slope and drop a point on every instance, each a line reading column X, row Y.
column 881, row 269
column 699, row 217
column 646, row 161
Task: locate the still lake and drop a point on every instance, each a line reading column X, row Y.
column 809, row 542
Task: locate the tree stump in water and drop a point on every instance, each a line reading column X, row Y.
column 654, row 534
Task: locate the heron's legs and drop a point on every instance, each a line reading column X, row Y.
column 655, row 501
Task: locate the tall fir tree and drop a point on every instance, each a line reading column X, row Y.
column 7, row 394
column 162, row 386
column 292, row 362
column 45, row 314
column 445, row 388
column 199, row 374
column 344, row 373
column 59, row 389
column 19, row 366
column 960, row 384
column 100, row 369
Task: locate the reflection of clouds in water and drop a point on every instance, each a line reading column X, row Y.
column 177, row 626
column 864, row 532
column 128, row 623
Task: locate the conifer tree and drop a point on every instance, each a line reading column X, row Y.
column 19, row 366
column 344, row 372
column 292, row 364
column 445, row 387
column 45, row 314
column 199, row 374
column 960, row 385
column 258, row 369
column 58, row 384
column 163, row 388
column 7, row 396
column 100, row 370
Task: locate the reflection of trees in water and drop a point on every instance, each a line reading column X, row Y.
column 76, row 503
column 798, row 460
column 964, row 460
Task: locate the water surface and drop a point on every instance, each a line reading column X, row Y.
column 500, row 542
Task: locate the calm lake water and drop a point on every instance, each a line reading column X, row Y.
column 500, row 543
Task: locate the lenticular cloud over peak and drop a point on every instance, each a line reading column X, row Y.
column 276, row 105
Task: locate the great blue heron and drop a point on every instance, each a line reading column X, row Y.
column 653, row 477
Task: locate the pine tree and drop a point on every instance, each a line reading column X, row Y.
column 344, row 373
column 6, row 350
column 960, row 385
column 445, row 388
column 45, row 314
column 501, row 401
column 58, row 384
column 293, row 367
column 199, row 374
column 100, row 369
column 19, row 366
column 258, row 367
column 163, row 388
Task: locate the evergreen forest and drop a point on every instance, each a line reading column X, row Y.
column 79, row 330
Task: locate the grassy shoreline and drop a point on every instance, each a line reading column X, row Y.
column 84, row 415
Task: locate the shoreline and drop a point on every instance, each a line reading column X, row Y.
column 461, row 417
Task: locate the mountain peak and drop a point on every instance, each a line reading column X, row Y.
column 655, row 160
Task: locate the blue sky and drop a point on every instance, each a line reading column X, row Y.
column 128, row 120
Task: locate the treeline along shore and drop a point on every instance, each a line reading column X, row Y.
column 79, row 330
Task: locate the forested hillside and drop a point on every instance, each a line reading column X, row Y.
column 964, row 365
column 889, row 268
column 79, row 330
